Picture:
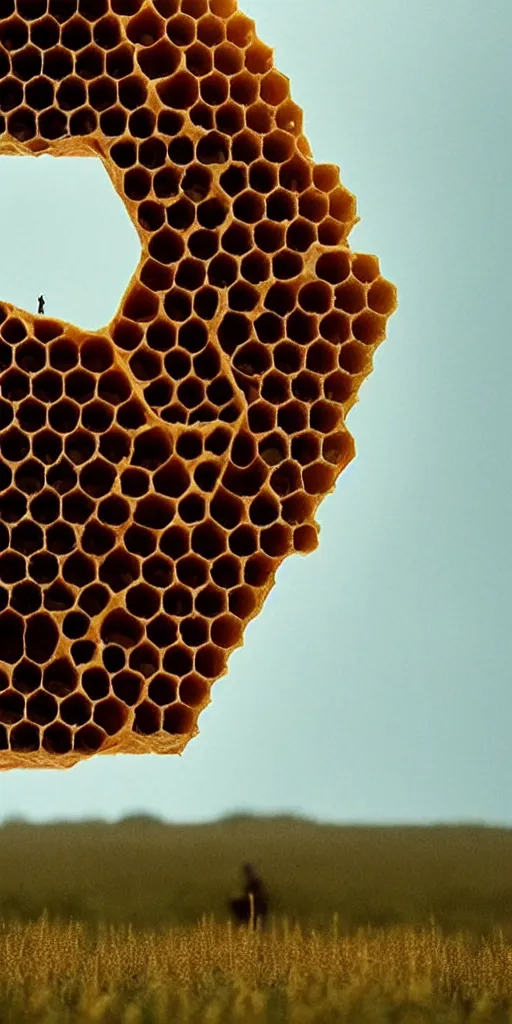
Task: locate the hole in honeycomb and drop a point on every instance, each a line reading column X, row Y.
column 31, row 416
column 245, row 481
column 94, row 599
column 27, row 538
column 163, row 689
column 110, row 715
column 276, row 540
column 350, row 296
column 225, row 571
column 43, row 568
column 57, row 739
column 114, row 658
column 229, row 118
column 12, row 707
column 75, row 709
column 259, row 119
column 145, row 660
column 26, row 676
column 243, row 541
column 178, row 660
column 13, row 506
column 275, row 388
column 127, row 686
column 191, row 571
column 60, row 678
column 287, row 264
column 143, row 601
column 190, row 275
column 162, row 630
column 82, row 651
column 26, row 598
column 24, row 737
column 234, row 180
column 75, row 625
column 88, row 738
column 242, row 602
column 41, row 637
column 210, row 31
column 178, row 720
column 159, row 60
column 258, row 570
column 121, row 628
column 201, row 114
column 147, row 718
column 12, row 568
column 180, row 91
column 58, row 598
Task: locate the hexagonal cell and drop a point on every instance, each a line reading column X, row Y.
column 25, row 197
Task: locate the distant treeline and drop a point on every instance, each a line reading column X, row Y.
column 155, row 874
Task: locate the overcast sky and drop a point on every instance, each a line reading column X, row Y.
column 375, row 685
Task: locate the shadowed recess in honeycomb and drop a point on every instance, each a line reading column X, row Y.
column 155, row 474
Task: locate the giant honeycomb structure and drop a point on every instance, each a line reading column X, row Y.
column 155, row 474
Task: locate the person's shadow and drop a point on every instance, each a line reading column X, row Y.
column 253, row 905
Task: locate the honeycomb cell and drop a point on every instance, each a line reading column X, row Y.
column 155, row 474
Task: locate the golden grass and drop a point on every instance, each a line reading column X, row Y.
column 57, row 973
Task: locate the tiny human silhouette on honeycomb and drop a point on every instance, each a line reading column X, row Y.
column 155, row 474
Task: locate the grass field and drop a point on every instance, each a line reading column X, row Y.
column 210, row 974
column 403, row 924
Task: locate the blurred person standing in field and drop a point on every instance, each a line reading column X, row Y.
column 255, row 893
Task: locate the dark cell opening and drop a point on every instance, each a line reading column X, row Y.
column 140, row 541
column 76, row 507
column 26, row 676
column 113, row 658
column 147, row 719
column 225, row 571
column 162, row 631
column 11, row 637
column 41, row 638
column 75, row 625
column 121, row 628
column 134, row 482
column 234, row 180
column 94, row 599
column 143, row 601
column 58, row 598
column 26, row 598
column 151, row 449
column 61, row 477
column 243, row 541
column 78, row 570
column 205, row 303
column 154, row 512
column 130, row 415
column 119, row 570
column 178, row 660
column 45, row 507
column 127, row 686
column 190, row 275
column 174, row 542
column 79, row 447
column 163, row 689
column 114, row 511
column 191, row 571
column 191, row 508
column 12, row 568
column 43, row 568
column 27, row 538
column 95, row 683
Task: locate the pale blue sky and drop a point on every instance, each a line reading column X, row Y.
column 375, row 686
